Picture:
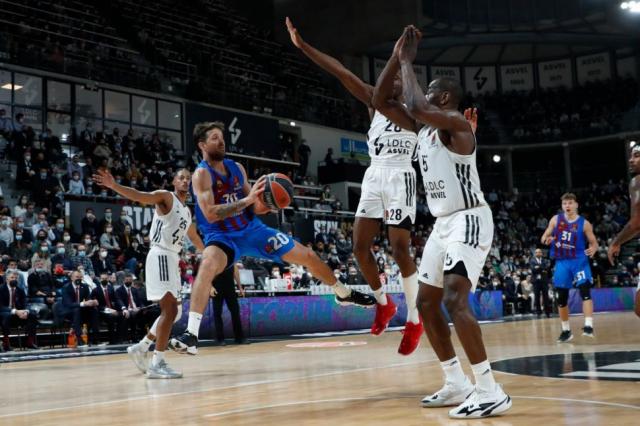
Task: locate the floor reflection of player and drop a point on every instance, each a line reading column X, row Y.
column 632, row 228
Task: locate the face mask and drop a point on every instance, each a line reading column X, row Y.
column 127, row 283
column 103, row 193
column 134, row 245
column 78, row 282
column 87, row 241
column 6, row 222
column 104, row 282
column 61, row 250
column 123, row 217
column 76, row 178
column 109, row 230
column 27, row 157
column 43, row 175
column 90, row 216
column 20, row 225
column 103, row 254
column 81, row 253
column 66, row 238
column 107, row 215
column 60, row 226
column 39, row 270
column 44, row 249
column 19, row 237
column 13, row 283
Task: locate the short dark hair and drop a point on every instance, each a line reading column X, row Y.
column 569, row 196
column 201, row 129
column 451, row 85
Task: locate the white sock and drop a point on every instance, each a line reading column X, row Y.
column 157, row 357
column 193, row 326
column 145, row 343
column 154, row 328
column 341, row 289
column 588, row 322
column 484, row 377
column 453, row 370
column 566, row 326
column 380, row 296
column 410, row 287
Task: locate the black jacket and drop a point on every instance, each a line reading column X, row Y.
column 5, row 299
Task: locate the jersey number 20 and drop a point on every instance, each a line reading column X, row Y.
column 278, row 241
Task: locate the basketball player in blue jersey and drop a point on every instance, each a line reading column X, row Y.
column 226, row 209
column 566, row 235
column 632, row 228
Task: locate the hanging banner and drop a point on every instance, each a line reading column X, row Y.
column 516, row 77
column 480, row 79
column 593, row 68
column 450, row 72
column 420, row 70
column 627, row 67
column 555, row 74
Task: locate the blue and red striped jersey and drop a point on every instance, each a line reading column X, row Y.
column 569, row 239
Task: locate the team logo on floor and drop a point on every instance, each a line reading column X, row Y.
column 620, row 365
column 326, row 344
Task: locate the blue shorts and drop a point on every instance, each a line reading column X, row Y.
column 569, row 271
column 256, row 240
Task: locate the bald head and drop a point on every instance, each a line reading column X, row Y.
column 445, row 92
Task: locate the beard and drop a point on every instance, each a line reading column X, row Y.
column 216, row 156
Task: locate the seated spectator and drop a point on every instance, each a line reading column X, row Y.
column 13, row 311
column 6, row 233
column 25, row 171
column 41, row 254
column 82, row 260
column 76, row 185
column 42, row 290
column 102, row 262
column 525, row 294
column 58, row 231
column 109, row 308
column 109, row 241
column 21, row 207
column 78, row 307
column 62, row 258
column 19, row 250
column 73, row 168
column 131, row 303
column 90, row 224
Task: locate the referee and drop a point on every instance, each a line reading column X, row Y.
column 224, row 290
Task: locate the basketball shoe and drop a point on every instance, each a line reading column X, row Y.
column 482, row 404
column 356, row 298
column 162, row 371
column 587, row 331
column 410, row 337
column 186, row 343
column 565, row 336
column 138, row 356
column 450, row 394
column 384, row 313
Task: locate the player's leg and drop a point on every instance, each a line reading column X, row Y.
column 563, row 281
column 584, row 280
column 169, row 309
column 365, row 230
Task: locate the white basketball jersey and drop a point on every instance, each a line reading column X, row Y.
column 168, row 231
column 451, row 180
column 389, row 144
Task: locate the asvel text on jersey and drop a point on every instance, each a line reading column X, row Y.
column 168, row 231
column 389, row 144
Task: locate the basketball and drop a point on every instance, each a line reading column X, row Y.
column 278, row 191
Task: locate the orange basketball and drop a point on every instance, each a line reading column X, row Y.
column 278, row 191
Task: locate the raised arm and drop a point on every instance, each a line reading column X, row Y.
column 632, row 228
column 159, row 198
column 358, row 88
column 547, row 237
column 213, row 212
column 195, row 239
column 591, row 238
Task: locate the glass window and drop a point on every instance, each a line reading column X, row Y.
column 58, row 96
column 81, row 124
column 88, row 102
column 175, row 138
column 5, row 86
column 116, row 106
column 60, row 125
column 170, row 115
column 144, row 111
column 7, row 112
column 32, row 117
column 27, row 90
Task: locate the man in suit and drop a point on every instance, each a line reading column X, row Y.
column 109, row 308
column 79, row 307
column 13, row 311
column 131, row 304
column 224, row 289
column 540, row 277
column 25, row 171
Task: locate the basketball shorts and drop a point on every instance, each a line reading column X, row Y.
column 388, row 194
column 464, row 236
column 162, row 274
column 255, row 240
column 570, row 271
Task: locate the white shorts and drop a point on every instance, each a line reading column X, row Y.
column 464, row 236
column 388, row 194
column 162, row 274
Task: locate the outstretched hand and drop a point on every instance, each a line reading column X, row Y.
column 104, row 178
column 471, row 115
column 613, row 252
column 408, row 44
column 296, row 38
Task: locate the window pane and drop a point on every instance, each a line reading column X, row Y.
column 109, row 126
column 58, row 96
column 5, row 86
column 88, row 102
column 175, row 138
column 8, row 112
column 116, row 106
column 60, row 125
column 144, row 111
column 81, row 124
column 27, row 90
column 32, row 117
column 169, row 115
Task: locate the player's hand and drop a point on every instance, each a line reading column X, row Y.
column 613, row 252
column 213, row 292
column 296, row 39
column 241, row 291
column 22, row 314
column 590, row 251
column 409, row 45
column 471, row 115
column 260, row 208
column 125, row 313
column 398, row 45
column 547, row 241
column 104, row 178
column 257, row 189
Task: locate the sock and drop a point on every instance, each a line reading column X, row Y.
column 484, row 377
column 193, row 326
column 145, row 343
column 566, row 326
column 157, row 357
column 154, row 328
column 588, row 322
column 410, row 287
column 380, row 296
column 341, row 290
column 453, row 370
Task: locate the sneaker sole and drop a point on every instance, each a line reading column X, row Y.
column 353, row 304
column 408, row 353
column 133, row 358
column 589, row 335
column 565, row 341
column 447, row 404
column 165, row 376
column 496, row 410
column 181, row 348
column 387, row 325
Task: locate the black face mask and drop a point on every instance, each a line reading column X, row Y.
column 42, row 237
column 78, row 282
column 104, row 282
column 13, row 283
column 128, row 284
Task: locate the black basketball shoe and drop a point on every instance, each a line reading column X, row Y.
column 587, row 331
column 186, row 343
column 565, row 336
column 357, row 298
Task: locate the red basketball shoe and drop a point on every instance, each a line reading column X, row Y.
column 410, row 338
column 384, row 313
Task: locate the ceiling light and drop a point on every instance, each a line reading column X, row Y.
column 8, row 86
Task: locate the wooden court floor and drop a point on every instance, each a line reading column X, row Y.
column 363, row 381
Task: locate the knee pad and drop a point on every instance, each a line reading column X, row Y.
column 179, row 314
column 563, row 297
column 585, row 292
